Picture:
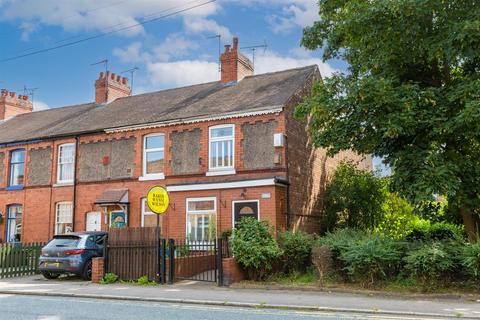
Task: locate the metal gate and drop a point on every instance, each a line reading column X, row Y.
column 135, row 252
column 196, row 260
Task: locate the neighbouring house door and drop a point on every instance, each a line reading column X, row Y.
column 247, row 208
column 94, row 221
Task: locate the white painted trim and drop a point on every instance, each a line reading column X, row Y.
column 223, row 185
column 221, row 139
column 200, row 212
column 160, row 176
column 144, row 154
column 63, row 184
column 70, row 181
column 275, row 109
column 220, row 172
column 240, row 201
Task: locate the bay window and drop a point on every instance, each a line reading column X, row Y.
column 14, row 223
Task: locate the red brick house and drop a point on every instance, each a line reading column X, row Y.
column 223, row 150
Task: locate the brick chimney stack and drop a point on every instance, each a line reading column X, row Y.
column 12, row 104
column 111, row 87
column 234, row 65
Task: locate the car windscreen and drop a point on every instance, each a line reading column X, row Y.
column 64, row 241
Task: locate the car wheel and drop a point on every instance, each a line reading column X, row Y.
column 87, row 271
column 49, row 275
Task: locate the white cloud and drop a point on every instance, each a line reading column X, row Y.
column 202, row 25
column 187, row 72
column 130, row 54
column 182, row 73
column 174, row 46
column 272, row 61
column 93, row 15
column 301, row 13
column 39, row 105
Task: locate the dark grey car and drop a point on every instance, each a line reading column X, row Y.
column 72, row 254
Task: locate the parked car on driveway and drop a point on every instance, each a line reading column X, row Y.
column 72, row 253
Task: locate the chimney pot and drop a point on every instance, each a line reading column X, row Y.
column 125, row 80
column 235, row 43
column 13, row 94
column 102, row 75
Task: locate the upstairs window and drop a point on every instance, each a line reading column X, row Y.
column 17, row 168
column 221, row 147
column 153, row 155
column 66, row 163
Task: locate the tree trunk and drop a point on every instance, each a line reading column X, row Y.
column 471, row 222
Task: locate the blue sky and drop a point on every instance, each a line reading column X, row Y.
column 170, row 52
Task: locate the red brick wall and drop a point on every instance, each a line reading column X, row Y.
column 98, row 270
column 309, row 168
column 232, row 272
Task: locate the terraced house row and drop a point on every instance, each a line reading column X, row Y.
column 223, row 150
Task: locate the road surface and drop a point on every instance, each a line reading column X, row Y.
column 18, row 307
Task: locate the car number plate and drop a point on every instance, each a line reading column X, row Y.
column 52, row 264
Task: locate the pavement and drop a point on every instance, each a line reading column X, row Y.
column 207, row 294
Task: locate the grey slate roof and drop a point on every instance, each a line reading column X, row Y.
column 253, row 93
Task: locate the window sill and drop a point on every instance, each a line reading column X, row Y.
column 62, row 184
column 152, row 177
column 220, row 172
column 14, row 188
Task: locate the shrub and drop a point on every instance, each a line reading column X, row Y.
column 143, row 280
column 254, row 247
column 340, row 240
column 372, row 258
column 354, row 199
column 438, row 231
column 432, row 261
column 471, row 259
column 109, row 278
column 297, row 249
column 399, row 217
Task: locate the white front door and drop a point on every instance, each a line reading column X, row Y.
column 94, row 221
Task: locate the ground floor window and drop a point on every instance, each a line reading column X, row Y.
column 64, row 218
column 149, row 219
column 201, row 219
column 14, row 223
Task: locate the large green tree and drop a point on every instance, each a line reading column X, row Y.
column 411, row 93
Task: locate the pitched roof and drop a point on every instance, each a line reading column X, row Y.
column 253, row 93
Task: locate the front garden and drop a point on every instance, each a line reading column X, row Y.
column 369, row 238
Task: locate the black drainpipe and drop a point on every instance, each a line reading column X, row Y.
column 75, row 183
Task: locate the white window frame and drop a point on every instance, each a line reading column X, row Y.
column 57, row 206
column 66, row 181
column 224, row 169
column 152, row 176
column 147, row 212
column 199, row 212
column 240, row 201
